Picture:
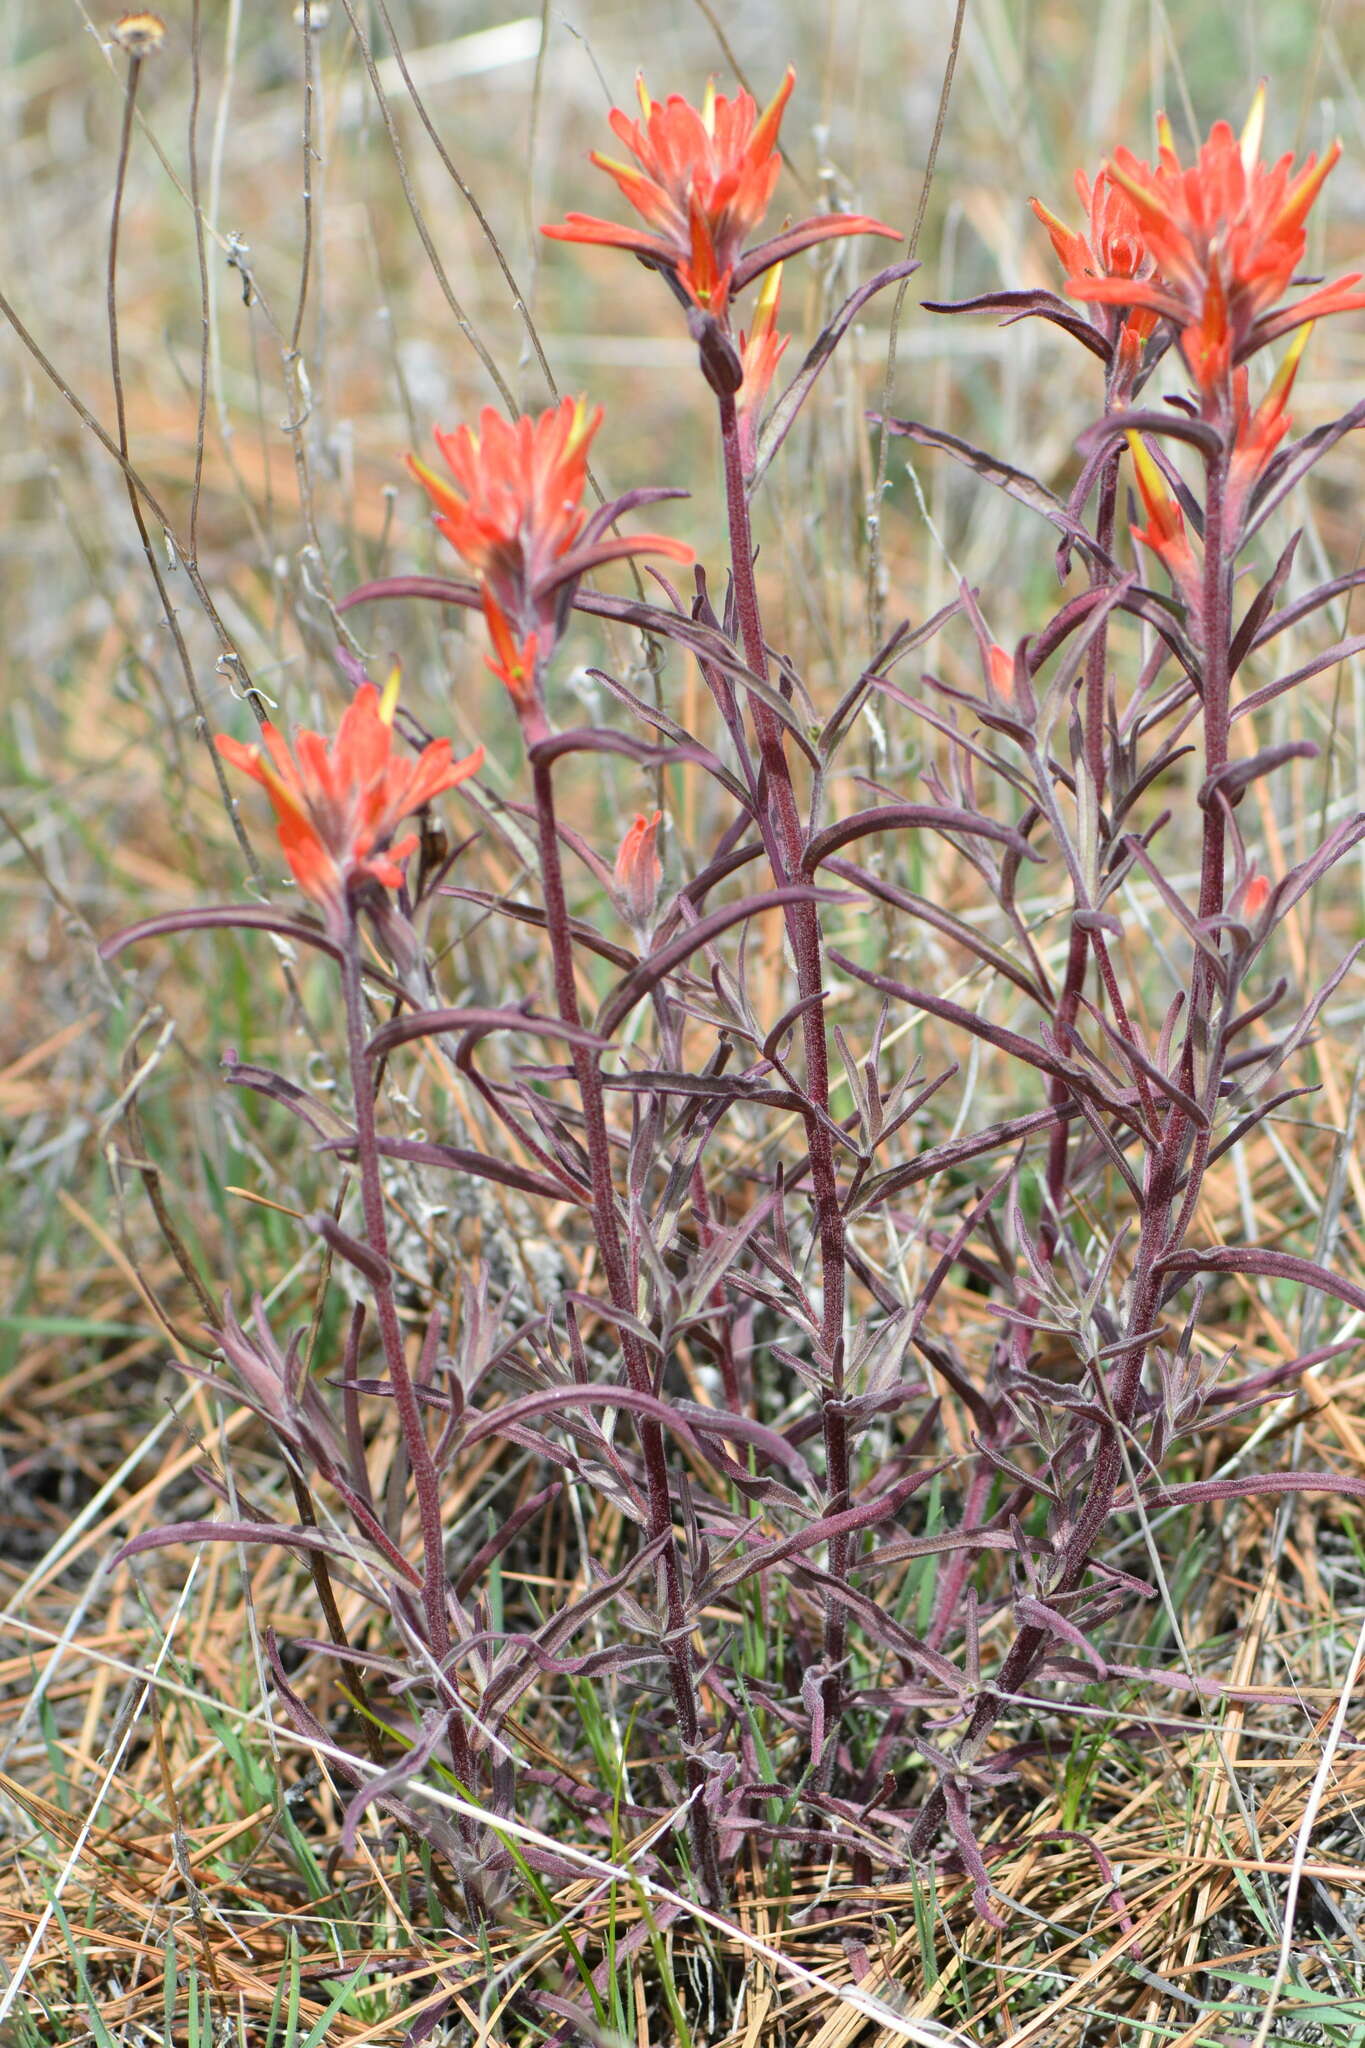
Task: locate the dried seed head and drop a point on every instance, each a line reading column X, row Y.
column 140, row 34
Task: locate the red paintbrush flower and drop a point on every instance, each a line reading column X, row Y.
column 336, row 808
column 514, row 513
column 704, row 182
column 1114, row 249
column 1226, row 235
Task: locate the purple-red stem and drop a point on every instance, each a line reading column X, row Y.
column 803, row 926
column 638, row 1373
column 1073, row 983
column 424, row 1473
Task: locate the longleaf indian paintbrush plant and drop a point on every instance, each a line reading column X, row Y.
column 784, row 1422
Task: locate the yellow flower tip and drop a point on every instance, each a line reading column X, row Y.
column 1254, row 130
column 613, row 166
column 1305, row 189
column 582, row 427
column 1285, row 375
column 708, row 107
column 388, row 702
column 642, row 95
column 1151, row 483
column 769, row 298
column 1125, row 181
column 1165, row 134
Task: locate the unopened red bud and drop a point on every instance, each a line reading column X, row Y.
column 1001, row 664
column 1256, row 896
column 639, row 869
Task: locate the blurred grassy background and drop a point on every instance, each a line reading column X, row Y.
column 109, row 799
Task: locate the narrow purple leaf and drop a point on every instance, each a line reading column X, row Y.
column 1040, row 305
column 1012, row 1043
column 459, row 1159
column 1259, row 1263
column 1015, row 483
column 780, row 420
column 356, row 1253
column 1243, row 1487
column 911, row 817
column 803, row 234
column 1258, row 699
column 1229, row 781
column 1034, row 1613
column 435, row 1023
column 1168, row 425
column 1303, row 607
column 635, row 986
column 279, row 1533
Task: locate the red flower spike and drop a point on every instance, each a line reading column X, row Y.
column 514, row 512
column 704, row 182
column 1164, row 532
column 760, row 353
column 1226, row 236
column 1113, row 249
column 336, row 807
column 639, row 870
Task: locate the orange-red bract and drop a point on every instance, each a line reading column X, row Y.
column 1164, row 532
column 336, row 807
column 760, row 352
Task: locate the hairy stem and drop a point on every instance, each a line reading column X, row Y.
column 424, row 1473
column 1157, row 1236
column 786, row 844
column 621, row 1287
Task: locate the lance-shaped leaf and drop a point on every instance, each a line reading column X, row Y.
column 1015, row 483
column 1287, row 467
column 684, row 1420
column 1244, row 1486
column 439, row 1023
column 1256, row 700
column 943, row 818
column 1176, row 426
column 461, row 1159
column 243, row 916
column 653, row 969
column 279, row 1533
column 1227, row 783
column 959, row 1152
column 1258, row 1263
column 780, row 420
column 1302, row 608
column 1011, row 1043
column 940, row 920
column 1254, row 618
column 1039, row 305
column 1034, row 1613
